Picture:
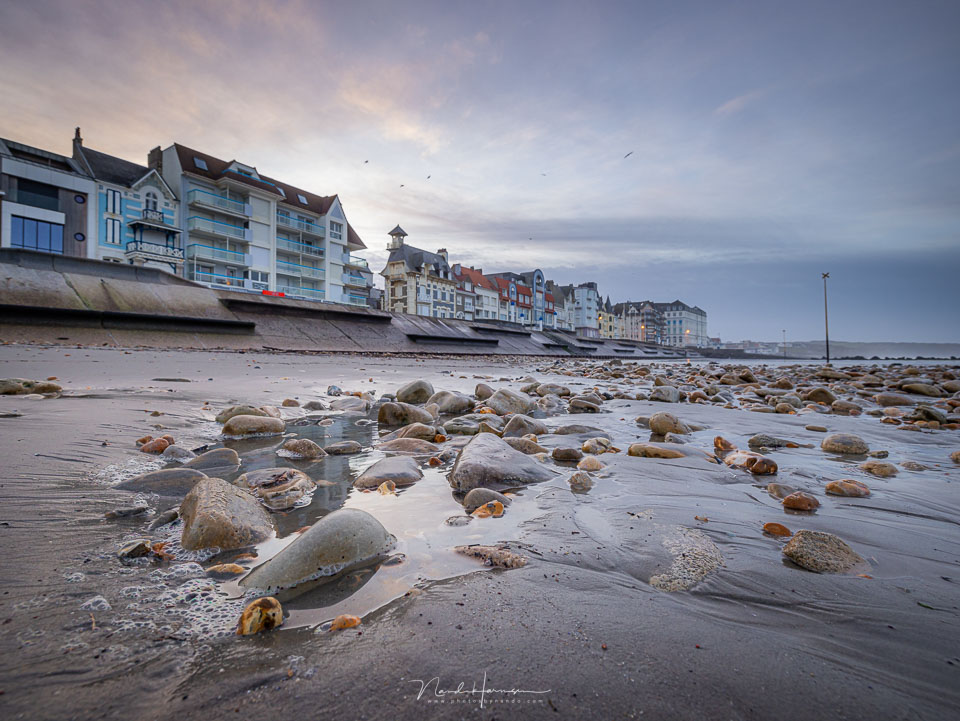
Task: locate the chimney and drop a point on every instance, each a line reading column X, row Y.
column 155, row 159
column 442, row 252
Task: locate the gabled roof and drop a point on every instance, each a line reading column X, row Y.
column 398, row 231
column 478, row 279
column 39, row 156
column 111, row 169
column 353, row 239
column 415, row 258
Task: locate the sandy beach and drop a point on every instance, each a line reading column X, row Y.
column 654, row 593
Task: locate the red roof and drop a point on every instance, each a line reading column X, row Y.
column 478, row 279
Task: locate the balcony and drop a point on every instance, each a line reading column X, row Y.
column 299, row 271
column 355, row 261
column 293, row 246
column 218, row 279
column 304, row 226
column 294, row 292
column 357, row 281
column 222, row 255
column 218, row 228
column 142, row 250
column 356, row 300
column 206, row 199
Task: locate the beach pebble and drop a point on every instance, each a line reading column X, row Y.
column 402, row 470
column 157, row 445
column 800, row 501
column 449, row 402
column 260, row 615
column 417, row 391
column 590, row 463
column 303, row 448
column 847, row 487
column 225, row 459
column 525, row 445
column 665, row 394
column 401, row 414
column 218, row 514
column 248, row 425
column 567, row 454
column 821, row 552
column 520, row 425
column 414, row 446
column 650, row 450
column 242, row 410
column 880, row 469
column 664, row 423
column 343, row 448
column 178, row 454
column 845, row 443
column 580, row 482
column 488, row 461
column 776, row 529
column 816, row 429
column 481, row 496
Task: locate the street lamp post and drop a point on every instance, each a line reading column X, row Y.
column 784, row 343
column 826, row 323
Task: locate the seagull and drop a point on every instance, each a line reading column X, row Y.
column 544, row 175
column 401, row 185
column 428, row 177
column 628, row 155
column 365, row 162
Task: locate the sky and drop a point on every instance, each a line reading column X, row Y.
column 768, row 141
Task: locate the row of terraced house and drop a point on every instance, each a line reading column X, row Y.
column 217, row 222
column 426, row 283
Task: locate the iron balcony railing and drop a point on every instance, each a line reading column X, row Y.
column 288, row 221
column 211, row 200
column 154, row 249
column 208, row 252
column 217, row 227
column 293, row 246
column 308, row 293
column 295, row 269
column 151, row 214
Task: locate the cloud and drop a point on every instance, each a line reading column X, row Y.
column 737, row 104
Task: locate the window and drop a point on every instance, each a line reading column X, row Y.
column 336, row 229
column 151, row 202
column 200, row 163
column 302, row 198
column 38, row 195
column 36, row 235
column 113, row 201
column 114, row 231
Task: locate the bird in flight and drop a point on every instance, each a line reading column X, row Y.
column 428, row 177
column 401, row 185
column 544, row 175
column 365, row 162
column 628, row 155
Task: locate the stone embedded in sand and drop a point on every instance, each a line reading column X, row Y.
column 567, row 454
column 157, row 445
column 893, row 399
column 845, row 408
column 350, row 404
column 279, row 489
column 847, row 487
column 579, row 429
column 819, row 395
column 415, row 392
column 525, row 445
column 226, row 569
column 762, row 440
column 178, row 454
column 483, row 391
column 217, row 458
column 343, row 448
column 486, row 427
column 505, row 401
column 345, row 539
column 776, row 529
column 315, row 406
column 779, row 490
column 664, row 423
column 242, row 410
column 597, row 446
column 881, row 469
column 253, row 426
column 923, row 389
column 488, row 460
column 800, row 501
column 582, row 405
column 955, row 456
column 499, row 556
column 401, row 414
column 651, row 450
column 422, row 431
column 260, row 615
column 303, row 448
column 218, row 514
column 521, row 425
column 414, row 446
column 290, row 403
column 344, row 621
column 821, row 552
column 491, row 509
column 845, row 443
column 481, row 496
column 402, row 470
column 551, row 389
column 665, row 394
column 816, row 429
column 580, row 482
column 784, row 408
column 590, row 463
column 449, row 402
column 165, row 482
column 749, row 460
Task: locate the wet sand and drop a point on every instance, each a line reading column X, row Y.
column 756, row 638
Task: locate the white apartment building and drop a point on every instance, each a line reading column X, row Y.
column 683, row 325
column 486, row 296
column 245, row 231
column 582, row 306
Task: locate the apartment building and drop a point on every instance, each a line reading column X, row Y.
column 612, row 324
column 541, row 311
column 486, row 294
column 417, row 281
column 242, row 230
column 683, row 325
column 135, row 211
column 641, row 321
column 582, row 307
column 46, row 201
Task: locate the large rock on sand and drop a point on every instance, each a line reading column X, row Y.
column 415, row 392
column 240, row 426
column 217, row 513
column 821, row 552
column 665, row 394
column 505, row 401
column 243, row 410
column 401, row 414
column 345, row 539
column 520, row 425
column 449, row 402
column 845, row 443
column 225, row 458
column 402, row 470
column 664, row 423
column 171, row 482
column 488, row 460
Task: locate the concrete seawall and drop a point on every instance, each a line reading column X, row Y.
column 53, row 299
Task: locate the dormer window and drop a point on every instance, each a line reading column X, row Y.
column 200, row 163
column 302, row 198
